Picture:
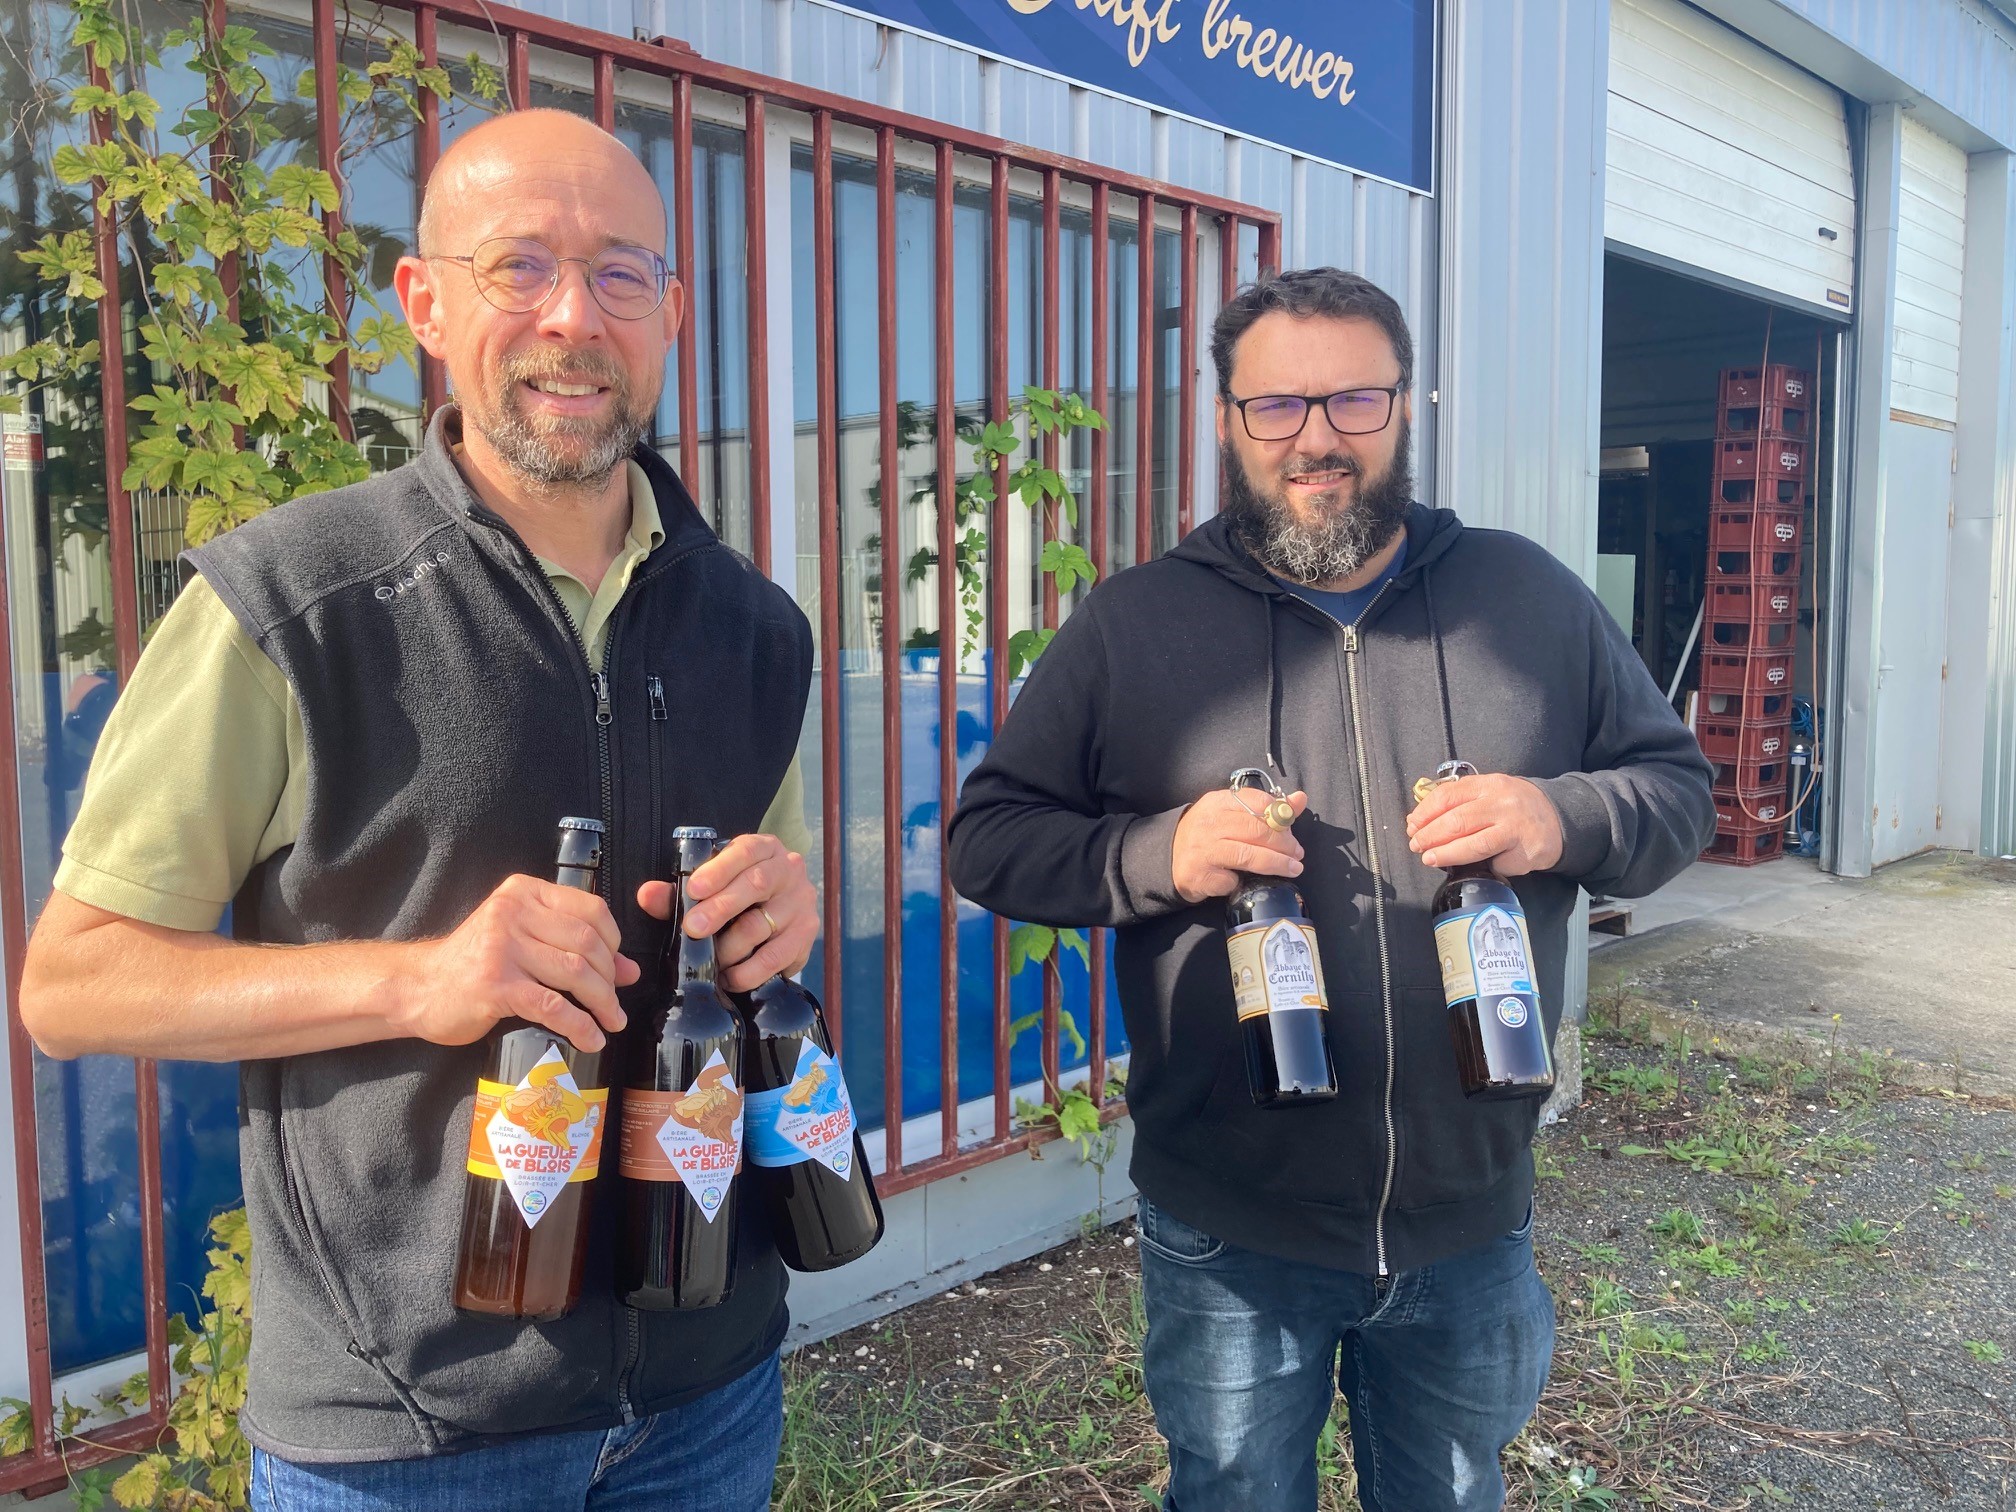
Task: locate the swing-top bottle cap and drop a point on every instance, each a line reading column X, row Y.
column 1279, row 813
column 1448, row 771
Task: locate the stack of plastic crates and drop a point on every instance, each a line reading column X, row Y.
column 1763, row 464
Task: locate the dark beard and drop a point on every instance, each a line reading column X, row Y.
column 1343, row 539
column 528, row 450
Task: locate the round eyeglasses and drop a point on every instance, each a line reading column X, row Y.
column 519, row 273
column 1281, row 417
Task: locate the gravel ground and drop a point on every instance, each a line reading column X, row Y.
column 1778, row 1286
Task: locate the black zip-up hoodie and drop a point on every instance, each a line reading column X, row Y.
column 1172, row 675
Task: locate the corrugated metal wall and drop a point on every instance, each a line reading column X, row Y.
column 1522, row 266
column 1987, row 475
column 1960, row 53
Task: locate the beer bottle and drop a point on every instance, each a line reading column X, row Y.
column 1487, row 976
column 682, row 1123
column 805, row 1155
column 535, row 1144
column 1277, row 979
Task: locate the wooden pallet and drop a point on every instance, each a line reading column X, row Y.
column 1608, row 916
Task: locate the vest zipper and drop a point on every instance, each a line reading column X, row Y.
column 654, row 685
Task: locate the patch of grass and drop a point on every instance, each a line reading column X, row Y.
column 1768, row 1349
column 1607, row 1299
column 1860, row 1237
column 1679, row 1225
column 1654, row 1086
column 1987, row 1351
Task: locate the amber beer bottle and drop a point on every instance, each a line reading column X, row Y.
column 806, row 1163
column 682, row 1123
column 1487, row 976
column 535, row 1146
column 1277, row 979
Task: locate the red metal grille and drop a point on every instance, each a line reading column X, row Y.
column 954, row 151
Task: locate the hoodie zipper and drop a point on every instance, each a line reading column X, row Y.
column 654, row 687
column 1351, row 645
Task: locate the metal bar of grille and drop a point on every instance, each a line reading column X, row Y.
column 228, row 267
column 1144, row 388
column 979, row 1155
column 997, row 586
column 605, row 91
column 328, row 140
column 1102, row 315
column 1051, row 530
column 756, row 223
column 689, row 348
column 1186, row 370
column 951, row 633
column 518, row 68
column 826, row 338
column 892, row 655
column 426, row 157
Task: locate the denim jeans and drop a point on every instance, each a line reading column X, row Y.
column 716, row 1454
column 1441, row 1367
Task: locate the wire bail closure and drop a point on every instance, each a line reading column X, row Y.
column 1279, row 813
column 1448, row 771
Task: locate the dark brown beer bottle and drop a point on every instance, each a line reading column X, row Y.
column 1487, row 976
column 535, row 1146
column 1277, row 980
column 806, row 1164
column 682, row 1123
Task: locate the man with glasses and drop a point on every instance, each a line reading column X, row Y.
column 1330, row 631
column 358, row 727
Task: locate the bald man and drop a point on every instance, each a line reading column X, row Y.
column 358, row 726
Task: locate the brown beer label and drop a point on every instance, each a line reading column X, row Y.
column 693, row 1136
column 538, row 1136
column 1275, row 967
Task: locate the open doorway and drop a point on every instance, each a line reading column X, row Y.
column 1668, row 342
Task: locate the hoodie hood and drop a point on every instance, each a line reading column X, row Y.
column 1216, row 544
column 1430, row 534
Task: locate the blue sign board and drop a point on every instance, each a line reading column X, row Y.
column 1349, row 81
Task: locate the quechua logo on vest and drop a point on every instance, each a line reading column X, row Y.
column 400, row 586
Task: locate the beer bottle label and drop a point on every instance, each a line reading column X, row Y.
column 1275, row 967
column 811, row 1119
column 1488, row 955
column 693, row 1136
column 538, row 1136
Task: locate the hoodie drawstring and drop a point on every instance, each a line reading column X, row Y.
column 1273, row 689
column 1441, row 667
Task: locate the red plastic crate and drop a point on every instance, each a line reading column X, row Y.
column 1780, row 383
column 1749, row 635
column 1744, row 601
column 1750, row 708
column 1770, row 419
column 1748, row 457
column 1746, row 671
column 1772, row 565
column 1746, row 850
column 1726, row 739
column 1755, row 527
column 1776, row 492
column 1753, row 779
column 1736, row 814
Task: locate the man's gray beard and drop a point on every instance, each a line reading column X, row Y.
column 1340, row 540
column 527, row 450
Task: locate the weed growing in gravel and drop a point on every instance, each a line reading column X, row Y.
column 1987, row 1351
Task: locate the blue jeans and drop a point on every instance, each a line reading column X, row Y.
column 716, row 1454
column 1441, row 1367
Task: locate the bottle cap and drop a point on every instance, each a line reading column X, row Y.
column 1279, row 813
column 576, row 823
column 695, row 832
column 1448, row 771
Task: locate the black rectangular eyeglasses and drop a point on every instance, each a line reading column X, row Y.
column 1281, row 417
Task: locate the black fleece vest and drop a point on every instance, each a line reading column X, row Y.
column 451, row 719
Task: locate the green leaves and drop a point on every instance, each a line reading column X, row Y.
column 1069, row 564
column 1024, row 646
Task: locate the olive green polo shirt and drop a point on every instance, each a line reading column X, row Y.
column 201, row 772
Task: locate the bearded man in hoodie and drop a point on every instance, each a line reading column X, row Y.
column 1327, row 628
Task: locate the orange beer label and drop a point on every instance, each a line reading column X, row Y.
column 694, row 1137
column 539, row 1136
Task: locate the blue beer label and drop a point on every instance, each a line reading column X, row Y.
column 811, row 1119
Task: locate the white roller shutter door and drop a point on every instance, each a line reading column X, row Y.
column 1723, row 156
column 1931, row 243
